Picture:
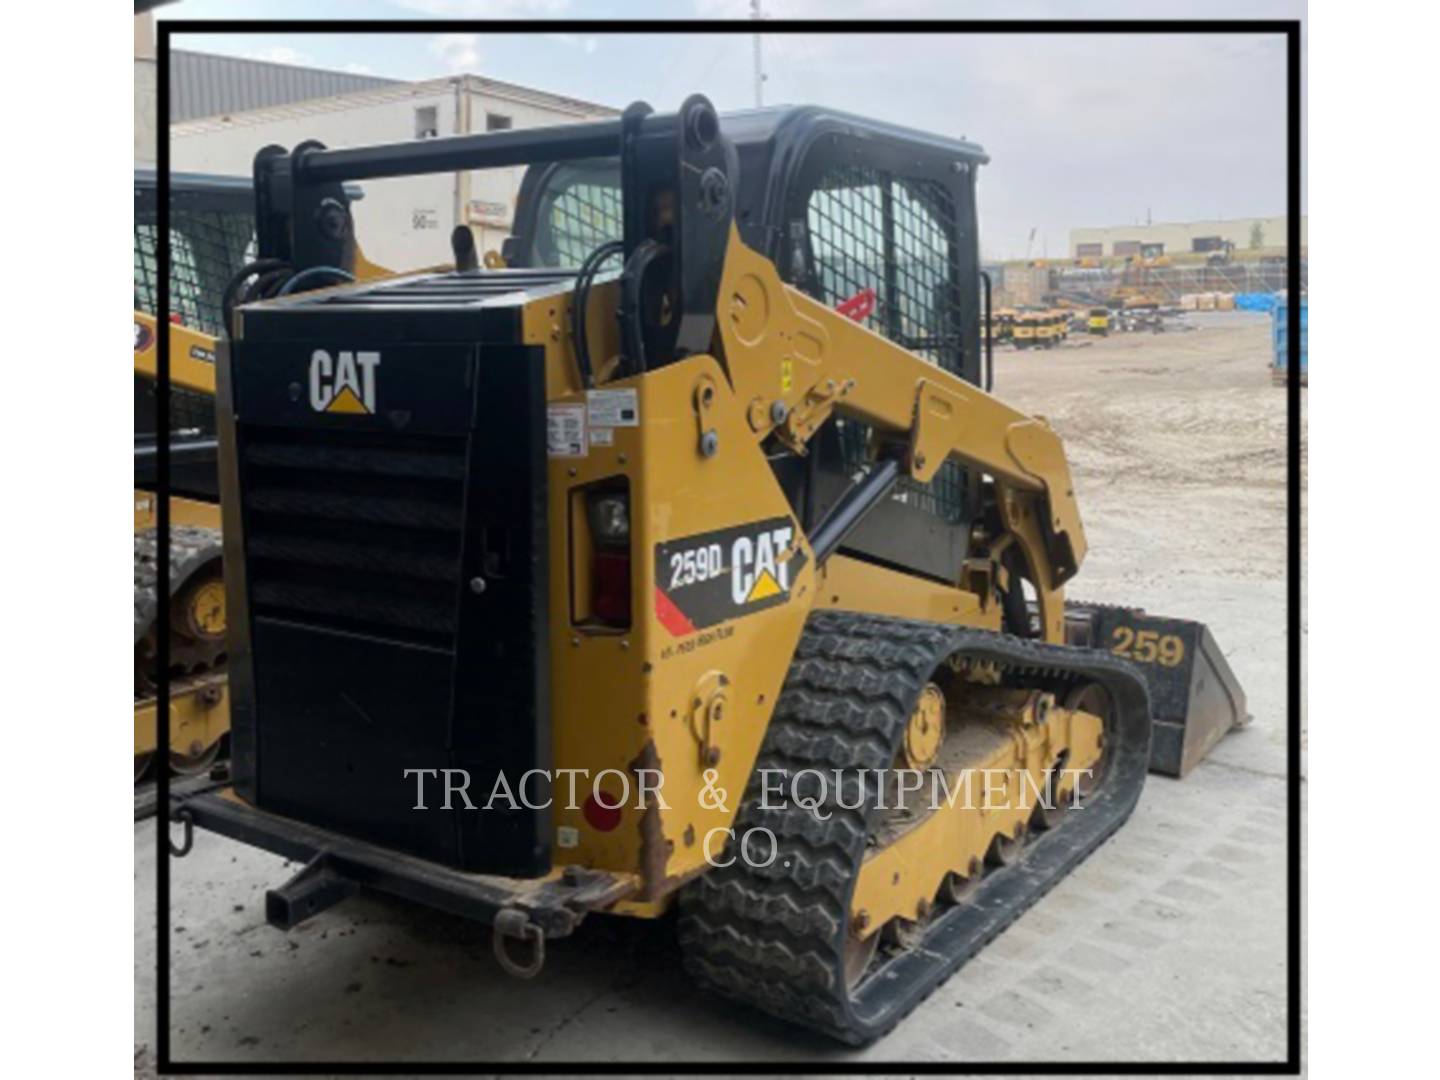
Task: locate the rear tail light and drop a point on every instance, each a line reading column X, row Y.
column 610, row 587
column 609, row 519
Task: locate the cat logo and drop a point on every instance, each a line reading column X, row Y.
column 712, row 577
column 753, row 569
column 343, row 384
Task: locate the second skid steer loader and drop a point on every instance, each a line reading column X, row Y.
column 675, row 584
column 212, row 265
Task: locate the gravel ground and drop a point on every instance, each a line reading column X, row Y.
column 1166, row 945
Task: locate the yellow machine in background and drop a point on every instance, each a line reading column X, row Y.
column 1026, row 334
column 1046, row 330
column 1005, row 325
column 1041, row 328
column 199, row 712
column 1098, row 321
column 212, row 234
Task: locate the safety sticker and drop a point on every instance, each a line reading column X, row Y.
column 708, row 578
column 602, row 436
column 613, row 408
column 565, row 431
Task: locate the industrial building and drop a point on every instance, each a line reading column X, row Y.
column 207, row 84
column 1235, row 236
column 405, row 223
column 225, row 108
column 146, row 105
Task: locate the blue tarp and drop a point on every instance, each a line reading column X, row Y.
column 1254, row 301
column 1279, row 330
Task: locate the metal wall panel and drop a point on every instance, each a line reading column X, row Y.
column 204, row 84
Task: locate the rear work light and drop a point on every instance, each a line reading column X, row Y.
column 608, row 514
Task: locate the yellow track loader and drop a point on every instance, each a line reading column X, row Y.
column 212, row 252
column 211, row 231
column 640, row 570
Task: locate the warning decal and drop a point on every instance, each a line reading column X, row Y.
column 565, row 431
column 708, row 578
column 613, row 408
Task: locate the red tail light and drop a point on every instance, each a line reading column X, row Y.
column 610, row 585
column 610, row 562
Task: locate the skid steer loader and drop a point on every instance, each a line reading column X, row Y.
column 212, row 251
column 680, row 576
column 212, row 232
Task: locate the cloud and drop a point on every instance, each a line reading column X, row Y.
column 458, row 52
column 494, row 9
column 280, row 54
column 588, row 43
column 1006, row 9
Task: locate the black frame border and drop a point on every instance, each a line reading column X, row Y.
column 1289, row 29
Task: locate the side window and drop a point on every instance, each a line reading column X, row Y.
column 884, row 244
column 184, row 281
column 206, row 248
column 145, row 266
column 846, row 224
column 583, row 217
column 871, row 232
column 579, row 210
column 185, row 287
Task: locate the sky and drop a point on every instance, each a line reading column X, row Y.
column 1082, row 130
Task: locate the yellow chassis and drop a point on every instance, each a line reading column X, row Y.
column 664, row 696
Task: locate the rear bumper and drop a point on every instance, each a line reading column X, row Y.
column 338, row 865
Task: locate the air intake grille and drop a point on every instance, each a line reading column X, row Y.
column 355, row 531
column 446, row 290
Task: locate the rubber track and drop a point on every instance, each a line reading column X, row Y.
column 774, row 936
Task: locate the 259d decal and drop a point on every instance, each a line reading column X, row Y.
column 705, row 579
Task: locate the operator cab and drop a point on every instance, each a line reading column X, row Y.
column 873, row 219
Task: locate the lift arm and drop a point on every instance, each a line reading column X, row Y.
column 795, row 361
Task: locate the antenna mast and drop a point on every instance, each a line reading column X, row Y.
column 755, row 16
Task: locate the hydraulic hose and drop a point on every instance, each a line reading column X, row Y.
column 228, row 298
column 580, row 300
column 293, row 285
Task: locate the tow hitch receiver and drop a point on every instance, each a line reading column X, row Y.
column 308, row 893
column 337, row 867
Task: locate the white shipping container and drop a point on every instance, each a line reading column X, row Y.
column 403, row 223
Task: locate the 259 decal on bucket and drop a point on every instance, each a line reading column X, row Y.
column 707, row 578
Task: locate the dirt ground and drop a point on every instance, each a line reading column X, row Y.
column 1169, row 428
column 1166, row 945
column 1176, row 444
